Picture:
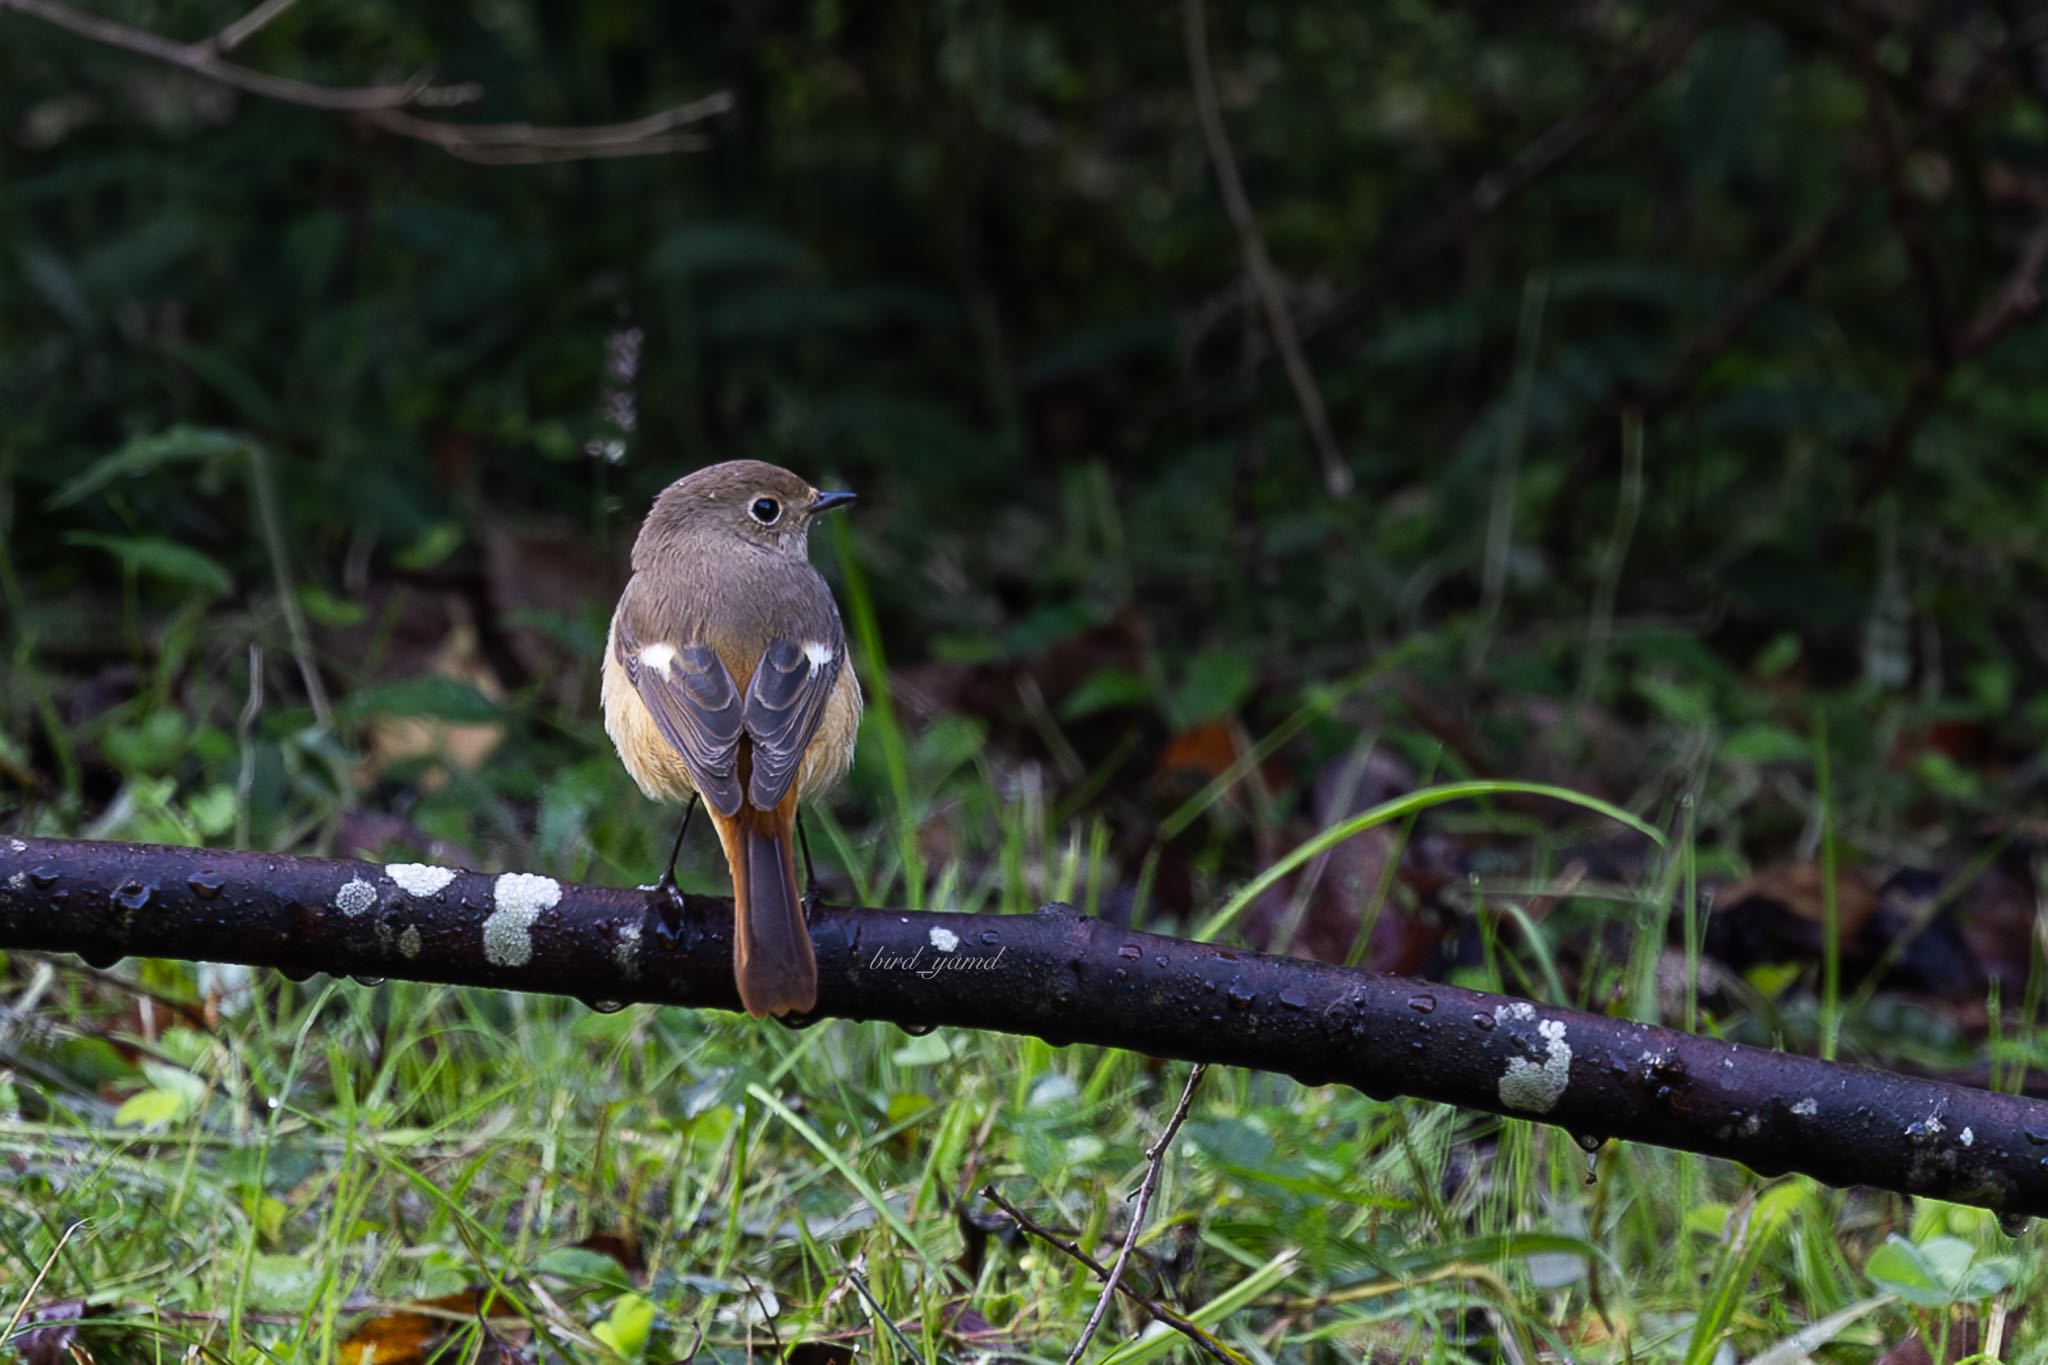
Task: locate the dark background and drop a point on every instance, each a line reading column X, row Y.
column 1679, row 360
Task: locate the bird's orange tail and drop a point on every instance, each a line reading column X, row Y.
column 771, row 944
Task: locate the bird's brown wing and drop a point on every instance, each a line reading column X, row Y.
column 785, row 700
column 695, row 705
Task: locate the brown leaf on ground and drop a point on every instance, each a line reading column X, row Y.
column 623, row 1247
column 1782, row 908
column 982, row 1338
column 1206, row 751
column 412, row 1334
column 1904, row 926
column 1374, row 875
column 463, row 746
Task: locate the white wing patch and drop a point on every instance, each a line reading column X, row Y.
column 819, row 653
column 658, row 657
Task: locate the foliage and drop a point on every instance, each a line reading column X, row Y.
column 322, row 448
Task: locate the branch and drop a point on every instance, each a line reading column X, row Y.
column 1492, row 192
column 1155, row 1161
column 1056, row 976
column 1406, row 262
column 382, row 105
column 2016, row 300
column 1186, row 1327
column 1258, row 265
column 1791, row 264
column 1909, row 224
column 249, row 25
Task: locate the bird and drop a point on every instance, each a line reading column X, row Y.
column 726, row 681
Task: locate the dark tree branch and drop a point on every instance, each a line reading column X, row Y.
column 1909, row 224
column 1405, row 264
column 1056, row 976
column 2015, row 301
column 1557, row 144
column 382, row 106
column 1790, row 265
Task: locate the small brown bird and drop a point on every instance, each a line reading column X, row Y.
column 725, row 679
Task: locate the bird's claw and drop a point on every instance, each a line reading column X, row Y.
column 668, row 908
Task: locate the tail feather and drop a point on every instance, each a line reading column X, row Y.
column 771, row 944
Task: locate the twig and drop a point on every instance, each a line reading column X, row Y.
column 1791, row 264
column 271, row 521
column 1184, row 1326
column 1774, row 278
column 1155, row 1161
column 767, row 1318
column 382, row 106
column 1258, row 265
column 1493, row 191
column 246, row 27
column 860, row 1285
column 1799, row 256
column 42, row 1273
column 1909, row 224
column 2015, row 301
column 202, row 60
column 512, row 144
column 245, row 739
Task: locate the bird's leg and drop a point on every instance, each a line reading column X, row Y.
column 809, row 872
column 672, row 895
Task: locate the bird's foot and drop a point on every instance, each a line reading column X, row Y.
column 668, row 907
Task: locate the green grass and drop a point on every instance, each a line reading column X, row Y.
column 255, row 1188
column 332, row 1146
column 427, row 1140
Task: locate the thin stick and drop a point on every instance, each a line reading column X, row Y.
column 42, row 1273
column 383, row 105
column 1158, row 1310
column 1401, row 263
column 1265, row 282
column 201, row 60
column 1909, row 224
column 271, row 521
column 860, row 1285
column 245, row 739
column 2017, row 299
column 1155, row 1162
column 247, row 27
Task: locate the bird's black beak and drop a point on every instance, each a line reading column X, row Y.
column 836, row 498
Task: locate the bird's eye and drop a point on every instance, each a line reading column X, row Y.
column 765, row 510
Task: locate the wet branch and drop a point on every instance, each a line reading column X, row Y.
column 1053, row 975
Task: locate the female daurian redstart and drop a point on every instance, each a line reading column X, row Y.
column 725, row 680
